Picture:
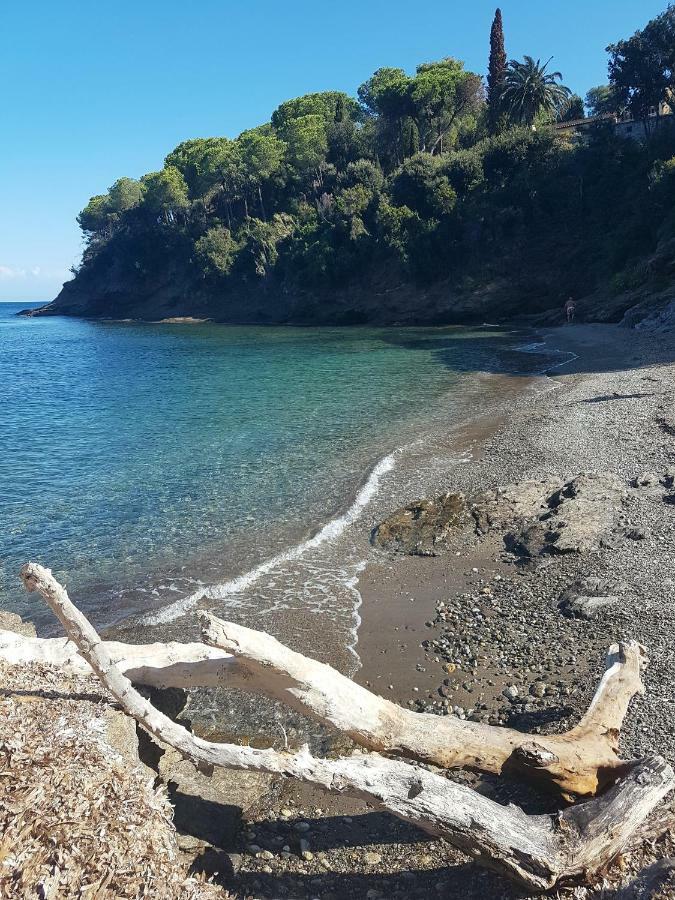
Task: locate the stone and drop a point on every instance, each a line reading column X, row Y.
column 372, row 859
column 208, row 809
column 647, row 479
column 580, row 515
column 508, row 506
column 423, row 528
column 587, row 598
column 12, row 622
column 588, row 607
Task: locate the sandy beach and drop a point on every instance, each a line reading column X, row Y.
column 481, row 630
column 602, row 412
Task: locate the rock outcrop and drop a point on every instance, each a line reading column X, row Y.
column 580, row 514
column 423, row 528
column 587, row 598
column 533, row 517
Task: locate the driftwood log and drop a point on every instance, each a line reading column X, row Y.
column 580, row 762
column 537, row 851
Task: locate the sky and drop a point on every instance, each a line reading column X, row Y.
column 94, row 91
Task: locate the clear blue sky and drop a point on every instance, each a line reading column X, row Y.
column 93, row 91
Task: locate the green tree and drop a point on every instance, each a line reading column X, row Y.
column 326, row 104
column 306, row 139
column 441, row 93
column 573, row 110
column 411, row 138
column 496, row 72
column 262, row 154
column 193, row 160
column 124, row 194
column 531, row 91
column 104, row 213
column 603, row 101
column 216, row 251
column 263, row 240
column 464, row 170
column 165, row 194
column 422, row 185
column 95, row 217
column 225, row 178
column 387, row 94
column 641, row 69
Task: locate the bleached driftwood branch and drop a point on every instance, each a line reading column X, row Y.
column 537, row 851
column 159, row 665
column 581, row 762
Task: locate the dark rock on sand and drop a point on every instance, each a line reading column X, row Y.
column 422, row 528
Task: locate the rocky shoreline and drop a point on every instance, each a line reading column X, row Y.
column 559, row 540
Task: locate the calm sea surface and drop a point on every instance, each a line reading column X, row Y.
column 158, row 467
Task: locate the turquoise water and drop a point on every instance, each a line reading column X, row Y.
column 144, row 463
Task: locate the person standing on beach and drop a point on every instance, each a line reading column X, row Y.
column 570, row 310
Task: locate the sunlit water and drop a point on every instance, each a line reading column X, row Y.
column 158, row 468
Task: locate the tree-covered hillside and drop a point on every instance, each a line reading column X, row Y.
column 406, row 202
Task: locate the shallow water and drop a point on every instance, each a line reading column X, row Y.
column 152, row 466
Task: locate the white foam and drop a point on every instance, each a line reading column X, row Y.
column 532, row 348
column 330, row 531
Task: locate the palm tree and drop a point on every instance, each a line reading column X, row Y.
column 530, row 90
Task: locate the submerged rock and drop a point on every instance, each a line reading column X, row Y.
column 422, row 528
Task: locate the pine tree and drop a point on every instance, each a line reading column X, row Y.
column 497, row 71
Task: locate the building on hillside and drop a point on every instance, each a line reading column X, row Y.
column 624, row 126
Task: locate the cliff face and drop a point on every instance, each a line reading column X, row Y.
column 382, row 298
column 111, row 287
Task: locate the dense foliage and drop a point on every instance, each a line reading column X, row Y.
column 418, row 179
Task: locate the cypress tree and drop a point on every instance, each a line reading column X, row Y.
column 411, row 144
column 496, row 72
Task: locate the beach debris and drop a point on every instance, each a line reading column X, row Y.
column 79, row 815
column 538, row 852
column 656, row 882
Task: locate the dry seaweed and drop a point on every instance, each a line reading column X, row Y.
column 77, row 817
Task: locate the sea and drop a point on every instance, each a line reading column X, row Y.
column 159, row 469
